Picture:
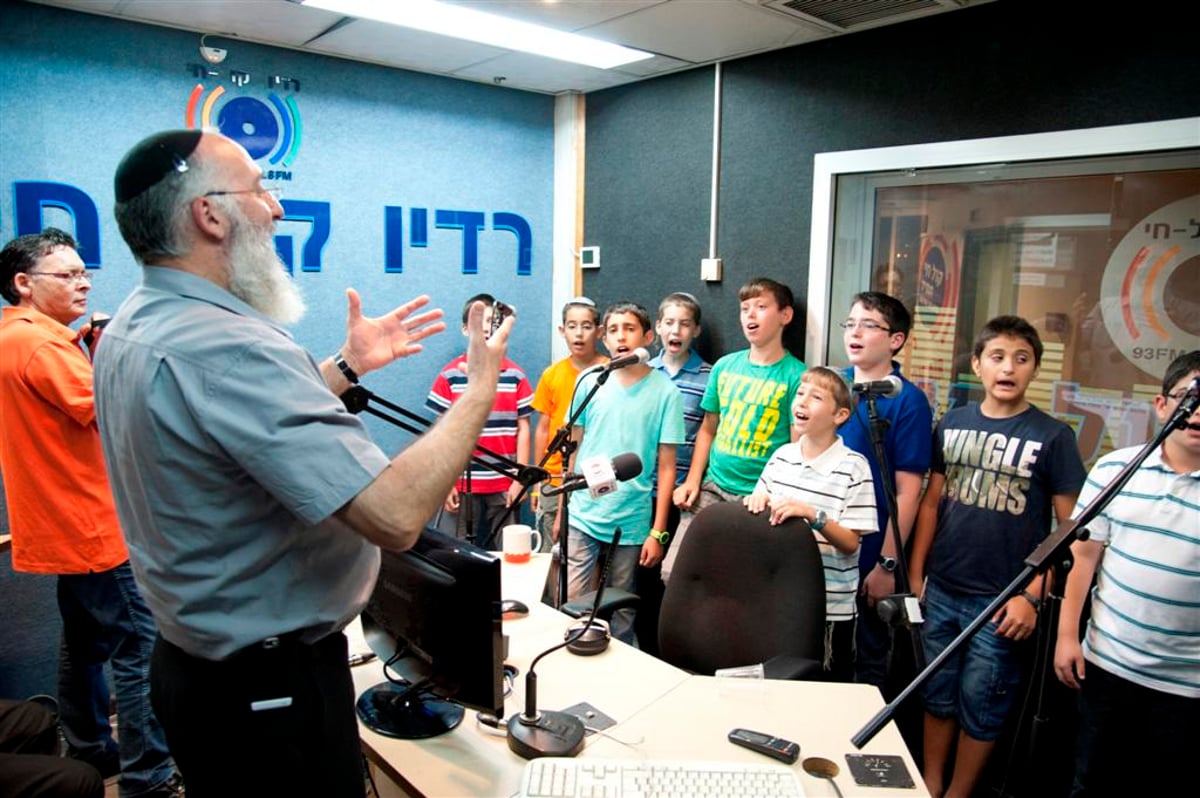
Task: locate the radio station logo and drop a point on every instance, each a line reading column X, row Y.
column 272, row 130
column 1151, row 305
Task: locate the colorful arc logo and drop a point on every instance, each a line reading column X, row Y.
column 273, row 132
column 1148, row 298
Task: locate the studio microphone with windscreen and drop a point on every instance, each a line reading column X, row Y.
column 599, row 475
column 639, row 355
column 889, row 387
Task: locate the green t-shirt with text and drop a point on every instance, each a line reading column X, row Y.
column 754, row 403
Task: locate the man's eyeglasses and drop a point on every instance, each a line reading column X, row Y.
column 275, row 192
column 72, row 277
column 864, row 324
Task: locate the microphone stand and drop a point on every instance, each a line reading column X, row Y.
column 562, row 444
column 535, row 733
column 357, row 400
column 1055, row 550
column 562, row 441
column 903, row 589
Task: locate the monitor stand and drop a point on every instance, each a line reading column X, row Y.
column 406, row 711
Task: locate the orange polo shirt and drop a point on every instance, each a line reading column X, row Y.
column 60, row 506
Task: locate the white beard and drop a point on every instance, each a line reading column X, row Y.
column 257, row 276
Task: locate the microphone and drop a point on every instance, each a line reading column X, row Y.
column 599, row 475
column 1187, row 406
column 532, row 733
column 639, row 355
column 889, row 387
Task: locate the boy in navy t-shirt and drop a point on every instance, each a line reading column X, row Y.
column 1003, row 473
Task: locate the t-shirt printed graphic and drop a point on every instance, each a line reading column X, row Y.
column 754, row 403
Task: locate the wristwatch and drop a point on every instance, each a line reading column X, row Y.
column 887, row 563
column 661, row 535
column 818, row 521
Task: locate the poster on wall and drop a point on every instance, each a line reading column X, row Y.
column 931, row 352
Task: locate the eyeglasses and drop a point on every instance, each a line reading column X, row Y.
column 863, row 324
column 1175, row 397
column 276, row 192
column 72, row 277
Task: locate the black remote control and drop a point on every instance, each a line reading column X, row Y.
column 774, row 747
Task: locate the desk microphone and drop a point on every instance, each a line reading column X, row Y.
column 548, row 733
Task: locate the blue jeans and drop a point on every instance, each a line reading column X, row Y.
column 105, row 620
column 978, row 685
column 873, row 643
column 585, row 555
column 547, row 510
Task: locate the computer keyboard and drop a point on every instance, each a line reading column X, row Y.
column 556, row 777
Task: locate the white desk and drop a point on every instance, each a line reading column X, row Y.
column 473, row 761
column 660, row 710
column 692, row 721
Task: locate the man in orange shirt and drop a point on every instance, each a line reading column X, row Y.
column 62, row 517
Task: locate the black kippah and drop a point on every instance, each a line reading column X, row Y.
column 152, row 159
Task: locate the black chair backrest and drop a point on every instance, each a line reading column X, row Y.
column 742, row 591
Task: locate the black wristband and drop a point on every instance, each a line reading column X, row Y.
column 344, row 367
column 1032, row 599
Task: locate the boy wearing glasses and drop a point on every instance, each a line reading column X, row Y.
column 62, row 515
column 1138, row 670
column 875, row 330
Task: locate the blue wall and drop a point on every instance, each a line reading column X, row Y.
column 77, row 90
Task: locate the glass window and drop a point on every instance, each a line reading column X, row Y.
column 1100, row 254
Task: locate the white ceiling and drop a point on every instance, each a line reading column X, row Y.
column 681, row 33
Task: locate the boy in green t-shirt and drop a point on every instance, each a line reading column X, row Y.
column 746, row 409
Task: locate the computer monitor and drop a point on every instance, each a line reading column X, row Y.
column 434, row 619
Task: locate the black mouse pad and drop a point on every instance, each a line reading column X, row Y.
column 593, row 719
column 879, row 770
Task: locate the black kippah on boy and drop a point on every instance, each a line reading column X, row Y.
column 152, row 159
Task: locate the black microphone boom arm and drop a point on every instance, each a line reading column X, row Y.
column 358, row 400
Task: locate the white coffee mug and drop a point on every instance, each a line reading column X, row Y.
column 520, row 541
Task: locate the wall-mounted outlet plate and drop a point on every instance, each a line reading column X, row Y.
column 589, row 258
column 710, row 269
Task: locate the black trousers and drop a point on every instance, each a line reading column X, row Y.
column 1132, row 740
column 276, row 718
column 30, row 766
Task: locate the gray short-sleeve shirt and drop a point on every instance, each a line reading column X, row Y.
column 228, row 457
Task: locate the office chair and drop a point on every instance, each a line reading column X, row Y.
column 744, row 592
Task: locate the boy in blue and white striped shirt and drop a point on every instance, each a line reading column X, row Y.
column 820, row 479
column 1138, row 670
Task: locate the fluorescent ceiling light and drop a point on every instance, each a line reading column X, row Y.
column 465, row 23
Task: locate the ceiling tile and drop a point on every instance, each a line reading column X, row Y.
column 403, row 47
column 698, row 31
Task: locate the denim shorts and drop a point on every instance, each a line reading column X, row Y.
column 979, row 683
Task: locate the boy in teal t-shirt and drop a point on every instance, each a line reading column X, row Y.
column 746, row 409
column 639, row 411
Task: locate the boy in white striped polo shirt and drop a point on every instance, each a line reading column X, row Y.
column 1138, row 669
column 820, row 479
